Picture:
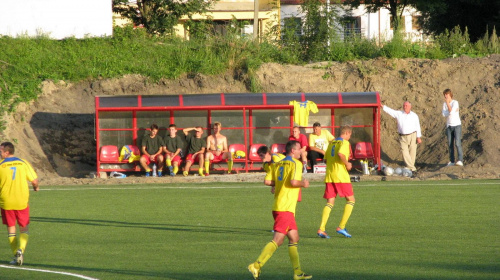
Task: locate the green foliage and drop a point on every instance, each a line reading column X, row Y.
column 26, row 62
column 317, row 29
column 290, row 40
column 364, row 48
column 160, row 16
column 339, row 51
column 454, row 43
column 488, row 44
column 201, row 230
column 439, row 15
column 396, row 48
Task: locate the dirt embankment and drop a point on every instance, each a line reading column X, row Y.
column 56, row 132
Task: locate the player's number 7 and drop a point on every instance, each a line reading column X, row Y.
column 13, row 173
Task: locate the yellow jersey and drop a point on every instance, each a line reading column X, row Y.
column 336, row 172
column 301, row 111
column 285, row 195
column 267, row 165
column 14, row 176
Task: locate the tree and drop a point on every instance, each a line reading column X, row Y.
column 160, row 16
column 318, row 28
column 479, row 17
column 395, row 7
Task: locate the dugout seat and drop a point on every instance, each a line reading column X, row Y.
column 278, row 148
column 109, row 153
column 233, row 148
column 363, row 150
column 134, row 150
column 252, row 155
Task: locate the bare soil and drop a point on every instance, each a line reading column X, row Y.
column 56, row 132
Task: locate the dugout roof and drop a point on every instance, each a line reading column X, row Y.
column 238, row 100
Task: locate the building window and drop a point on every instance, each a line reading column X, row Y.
column 415, row 24
column 292, row 26
column 352, row 26
column 402, row 25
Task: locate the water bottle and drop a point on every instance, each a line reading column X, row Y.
column 364, row 165
column 154, row 170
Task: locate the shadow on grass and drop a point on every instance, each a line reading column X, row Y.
column 166, row 227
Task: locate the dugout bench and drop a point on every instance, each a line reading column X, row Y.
column 248, row 121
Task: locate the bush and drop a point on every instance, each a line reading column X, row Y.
column 396, row 48
column 26, row 62
column 454, row 43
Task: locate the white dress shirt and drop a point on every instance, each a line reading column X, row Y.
column 407, row 123
column 452, row 118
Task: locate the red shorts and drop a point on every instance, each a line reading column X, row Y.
column 284, row 222
column 218, row 158
column 148, row 161
column 342, row 189
column 9, row 217
column 177, row 159
column 192, row 158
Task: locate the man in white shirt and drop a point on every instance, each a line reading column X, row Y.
column 409, row 133
column 453, row 127
column 318, row 142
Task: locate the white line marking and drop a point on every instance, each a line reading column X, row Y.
column 50, row 271
column 237, row 186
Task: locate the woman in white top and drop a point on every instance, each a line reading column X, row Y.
column 453, row 127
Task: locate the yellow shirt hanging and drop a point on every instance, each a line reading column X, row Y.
column 301, row 111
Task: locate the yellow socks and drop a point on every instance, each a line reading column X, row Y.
column 347, row 213
column 169, row 162
column 207, row 166
column 176, row 169
column 266, row 254
column 294, row 258
column 200, row 171
column 325, row 216
column 13, row 242
column 23, row 240
column 230, row 165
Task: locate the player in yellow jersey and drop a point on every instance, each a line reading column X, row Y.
column 338, row 181
column 287, row 180
column 269, row 160
column 14, row 195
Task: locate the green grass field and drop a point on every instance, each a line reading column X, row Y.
column 401, row 230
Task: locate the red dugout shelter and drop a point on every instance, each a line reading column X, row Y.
column 248, row 120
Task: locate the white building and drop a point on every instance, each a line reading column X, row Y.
column 57, row 19
column 376, row 26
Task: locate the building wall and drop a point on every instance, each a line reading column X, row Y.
column 374, row 26
column 56, row 19
column 226, row 10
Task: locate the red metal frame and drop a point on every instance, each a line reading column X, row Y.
column 247, row 127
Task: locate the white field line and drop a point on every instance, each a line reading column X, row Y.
column 50, row 271
column 238, row 186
